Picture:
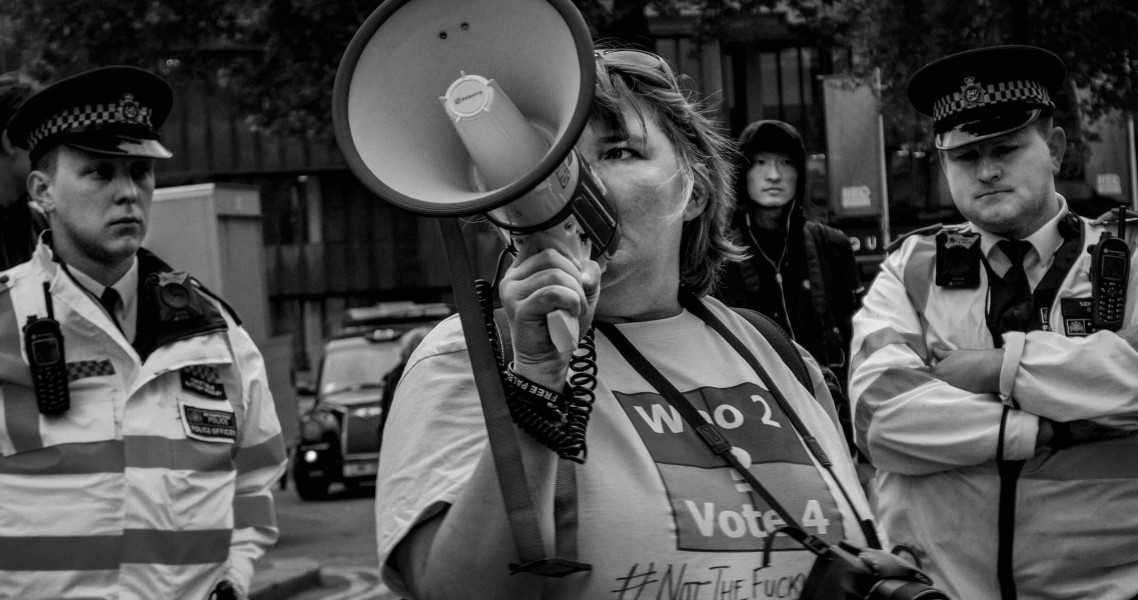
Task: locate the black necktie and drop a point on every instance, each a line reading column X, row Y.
column 110, row 301
column 1010, row 308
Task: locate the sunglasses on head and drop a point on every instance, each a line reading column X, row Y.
column 641, row 58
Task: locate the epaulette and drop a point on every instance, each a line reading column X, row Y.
column 199, row 286
column 1110, row 217
column 928, row 230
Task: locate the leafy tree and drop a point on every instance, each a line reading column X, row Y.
column 277, row 59
column 54, row 38
column 1095, row 38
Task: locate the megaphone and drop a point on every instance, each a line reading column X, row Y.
column 515, row 78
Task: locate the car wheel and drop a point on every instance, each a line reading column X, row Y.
column 308, row 488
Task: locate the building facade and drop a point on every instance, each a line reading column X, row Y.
column 330, row 244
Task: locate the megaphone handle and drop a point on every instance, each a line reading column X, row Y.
column 564, row 330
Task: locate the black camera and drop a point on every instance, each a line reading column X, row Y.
column 174, row 294
column 223, row 591
column 845, row 572
column 958, row 260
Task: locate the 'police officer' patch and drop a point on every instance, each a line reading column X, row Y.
column 203, row 380
column 209, row 424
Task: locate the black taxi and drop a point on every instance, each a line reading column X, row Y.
column 340, row 433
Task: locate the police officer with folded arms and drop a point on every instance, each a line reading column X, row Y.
column 138, row 438
column 995, row 376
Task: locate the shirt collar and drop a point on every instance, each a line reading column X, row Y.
column 126, row 286
column 1045, row 240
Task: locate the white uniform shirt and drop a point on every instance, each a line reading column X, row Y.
column 126, row 311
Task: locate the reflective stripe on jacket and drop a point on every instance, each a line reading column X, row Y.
column 934, row 445
column 156, row 483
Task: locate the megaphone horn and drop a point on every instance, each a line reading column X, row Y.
column 516, row 79
column 386, row 115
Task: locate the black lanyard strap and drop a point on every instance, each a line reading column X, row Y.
column 708, row 432
column 711, row 434
column 697, row 308
column 693, row 305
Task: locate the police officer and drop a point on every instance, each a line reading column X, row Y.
column 995, row 376
column 138, row 438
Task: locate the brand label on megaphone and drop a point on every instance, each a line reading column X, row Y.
column 469, row 95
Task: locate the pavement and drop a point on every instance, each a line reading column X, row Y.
column 283, row 578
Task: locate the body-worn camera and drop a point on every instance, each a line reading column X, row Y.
column 174, row 294
column 958, row 260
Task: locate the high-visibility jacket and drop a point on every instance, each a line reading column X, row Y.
column 156, row 483
column 1074, row 533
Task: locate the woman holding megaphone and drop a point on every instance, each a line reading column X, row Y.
column 693, row 406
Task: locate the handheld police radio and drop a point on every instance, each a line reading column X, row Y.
column 1110, row 273
column 43, row 343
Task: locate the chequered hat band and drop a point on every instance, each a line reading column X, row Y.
column 973, row 96
column 125, row 112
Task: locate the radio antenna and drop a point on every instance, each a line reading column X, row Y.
column 47, row 299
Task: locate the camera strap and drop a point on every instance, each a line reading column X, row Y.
column 501, row 432
column 693, row 305
column 713, row 436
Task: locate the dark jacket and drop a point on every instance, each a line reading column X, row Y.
column 821, row 286
column 20, row 227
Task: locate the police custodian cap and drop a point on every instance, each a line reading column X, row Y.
column 986, row 92
column 110, row 110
